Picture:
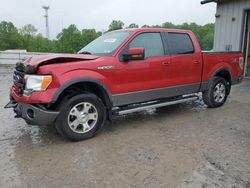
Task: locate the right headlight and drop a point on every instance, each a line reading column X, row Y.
column 37, row 82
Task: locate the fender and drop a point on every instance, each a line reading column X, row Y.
column 81, row 80
column 220, row 67
column 219, row 70
column 205, row 85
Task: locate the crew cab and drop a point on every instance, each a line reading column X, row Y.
column 120, row 72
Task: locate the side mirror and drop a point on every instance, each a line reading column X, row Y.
column 134, row 54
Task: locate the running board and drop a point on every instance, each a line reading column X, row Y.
column 149, row 105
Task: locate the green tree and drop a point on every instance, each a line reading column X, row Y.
column 145, row 26
column 69, row 40
column 41, row 44
column 115, row 25
column 206, row 35
column 156, row 26
column 9, row 36
column 89, row 35
column 29, row 30
column 168, row 25
column 27, row 35
column 133, row 25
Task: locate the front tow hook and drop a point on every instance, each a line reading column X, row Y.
column 11, row 104
column 14, row 105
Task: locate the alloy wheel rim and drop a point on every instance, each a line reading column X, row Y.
column 219, row 92
column 83, row 117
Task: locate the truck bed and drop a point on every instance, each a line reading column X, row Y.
column 214, row 60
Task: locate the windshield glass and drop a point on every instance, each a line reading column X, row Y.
column 106, row 44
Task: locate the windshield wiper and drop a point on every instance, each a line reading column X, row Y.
column 85, row 52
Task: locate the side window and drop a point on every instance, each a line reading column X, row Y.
column 152, row 43
column 180, row 43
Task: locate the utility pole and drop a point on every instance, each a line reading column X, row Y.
column 46, row 8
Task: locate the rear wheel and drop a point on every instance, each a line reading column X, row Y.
column 80, row 117
column 217, row 93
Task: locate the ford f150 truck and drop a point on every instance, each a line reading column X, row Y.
column 120, row 72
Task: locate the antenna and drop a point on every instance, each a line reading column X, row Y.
column 46, row 8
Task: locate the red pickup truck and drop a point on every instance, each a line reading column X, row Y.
column 118, row 73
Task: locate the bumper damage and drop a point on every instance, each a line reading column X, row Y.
column 33, row 115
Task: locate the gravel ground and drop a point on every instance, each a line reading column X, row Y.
column 182, row 146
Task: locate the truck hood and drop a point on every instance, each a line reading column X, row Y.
column 40, row 60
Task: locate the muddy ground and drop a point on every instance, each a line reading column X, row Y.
column 184, row 146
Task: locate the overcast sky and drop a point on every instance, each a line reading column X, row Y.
column 98, row 14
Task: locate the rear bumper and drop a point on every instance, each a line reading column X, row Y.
column 33, row 114
column 236, row 80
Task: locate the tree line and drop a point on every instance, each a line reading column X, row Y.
column 71, row 39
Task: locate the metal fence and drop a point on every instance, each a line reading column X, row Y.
column 10, row 58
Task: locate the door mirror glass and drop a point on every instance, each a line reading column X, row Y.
column 134, row 54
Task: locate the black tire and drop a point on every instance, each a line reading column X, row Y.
column 62, row 122
column 208, row 96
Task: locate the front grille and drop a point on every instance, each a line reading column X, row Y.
column 18, row 77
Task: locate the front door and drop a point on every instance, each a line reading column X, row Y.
column 136, row 78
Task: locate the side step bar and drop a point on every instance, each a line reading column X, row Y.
column 155, row 105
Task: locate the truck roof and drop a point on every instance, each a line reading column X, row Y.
column 156, row 29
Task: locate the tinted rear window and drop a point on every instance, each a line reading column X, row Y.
column 180, row 43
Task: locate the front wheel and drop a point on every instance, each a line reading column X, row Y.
column 80, row 117
column 217, row 93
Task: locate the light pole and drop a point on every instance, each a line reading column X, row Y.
column 46, row 8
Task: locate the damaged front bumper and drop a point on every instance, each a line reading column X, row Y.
column 32, row 114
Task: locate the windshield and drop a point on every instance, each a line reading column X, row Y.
column 106, row 44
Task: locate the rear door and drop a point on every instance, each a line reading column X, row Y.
column 185, row 68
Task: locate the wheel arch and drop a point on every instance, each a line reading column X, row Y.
column 224, row 73
column 86, row 85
